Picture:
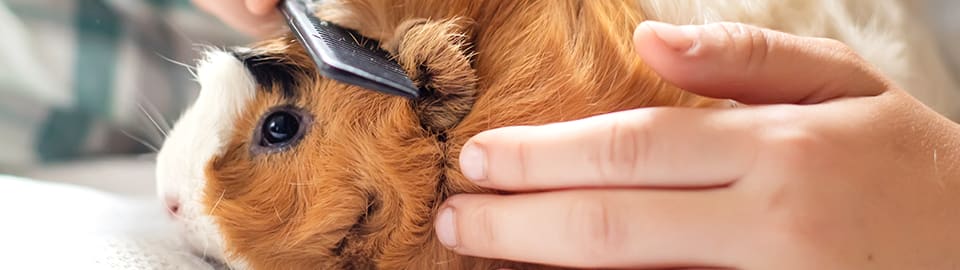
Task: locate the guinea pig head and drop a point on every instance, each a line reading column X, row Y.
column 276, row 167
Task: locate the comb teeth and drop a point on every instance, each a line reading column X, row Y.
column 365, row 51
column 345, row 55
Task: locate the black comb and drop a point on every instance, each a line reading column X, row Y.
column 345, row 55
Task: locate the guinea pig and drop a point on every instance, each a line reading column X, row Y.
column 276, row 167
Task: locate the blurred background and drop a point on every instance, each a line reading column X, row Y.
column 85, row 85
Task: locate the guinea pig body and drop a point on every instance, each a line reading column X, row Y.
column 276, row 167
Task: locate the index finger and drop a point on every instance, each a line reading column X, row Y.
column 643, row 148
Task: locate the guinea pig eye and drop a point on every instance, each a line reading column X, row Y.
column 280, row 128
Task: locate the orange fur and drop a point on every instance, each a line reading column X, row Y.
column 360, row 190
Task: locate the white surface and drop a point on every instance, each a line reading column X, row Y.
column 57, row 226
column 130, row 176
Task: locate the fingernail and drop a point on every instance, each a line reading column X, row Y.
column 680, row 38
column 446, row 228
column 473, row 162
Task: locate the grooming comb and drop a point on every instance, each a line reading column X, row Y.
column 345, row 55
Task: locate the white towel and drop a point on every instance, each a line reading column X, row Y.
column 56, row 226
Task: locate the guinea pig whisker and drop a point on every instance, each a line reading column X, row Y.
column 153, row 120
column 140, row 140
column 191, row 69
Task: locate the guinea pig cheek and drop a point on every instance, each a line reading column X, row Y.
column 200, row 135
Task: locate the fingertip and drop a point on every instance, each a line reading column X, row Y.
column 483, row 156
column 446, row 227
column 644, row 39
column 667, row 48
column 675, row 37
column 640, row 34
column 261, row 7
column 473, row 162
column 458, row 214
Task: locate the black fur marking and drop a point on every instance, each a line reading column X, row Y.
column 271, row 71
column 338, row 250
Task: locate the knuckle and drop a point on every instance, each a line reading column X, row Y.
column 625, row 150
column 791, row 146
column 835, row 45
column 481, row 225
column 791, row 223
column 757, row 49
column 838, row 49
column 735, row 33
column 791, row 220
column 522, row 149
column 790, row 149
column 598, row 230
column 785, row 217
column 746, row 44
column 750, row 44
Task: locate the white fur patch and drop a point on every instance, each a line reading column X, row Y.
column 198, row 136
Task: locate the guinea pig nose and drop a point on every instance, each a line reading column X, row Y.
column 173, row 205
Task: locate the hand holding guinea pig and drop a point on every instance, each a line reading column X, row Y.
column 842, row 171
column 257, row 18
column 276, row 167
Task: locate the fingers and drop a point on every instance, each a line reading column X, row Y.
column 655, row 147
column 754, row 65
column 678, row 148
column 595, row 229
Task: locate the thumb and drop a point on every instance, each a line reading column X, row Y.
column 755, row 65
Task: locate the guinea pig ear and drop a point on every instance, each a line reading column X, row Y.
column 435, row 55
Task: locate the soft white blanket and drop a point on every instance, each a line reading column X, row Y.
column 55, row 226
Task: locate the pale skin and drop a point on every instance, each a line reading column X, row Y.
column 829, row 166
column 256, row 18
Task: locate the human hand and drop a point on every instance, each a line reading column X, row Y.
column 831, row 166
column 257, row 18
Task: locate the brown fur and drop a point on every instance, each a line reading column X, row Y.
column 361, row 189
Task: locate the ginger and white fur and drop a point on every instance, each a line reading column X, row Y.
column 274, row 212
